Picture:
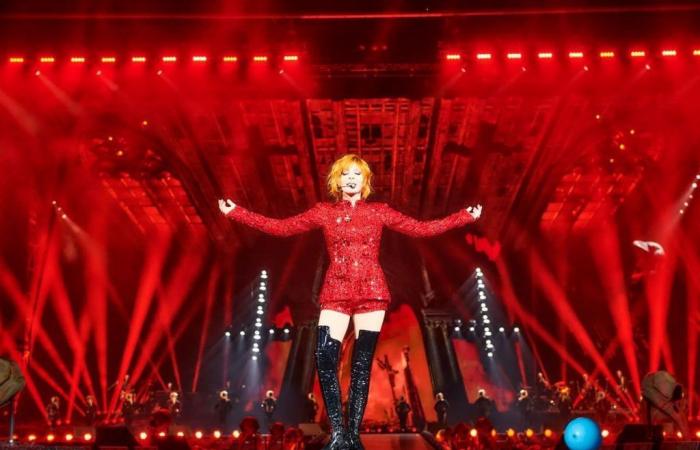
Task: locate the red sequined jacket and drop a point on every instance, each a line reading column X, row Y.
column 352, row 235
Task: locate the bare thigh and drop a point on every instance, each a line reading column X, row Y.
column 371, row 321
column 336, row 321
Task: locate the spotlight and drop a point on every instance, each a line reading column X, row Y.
column 473, row 432
column 138, row 59
column 199, row 58
column 180, row 434
column 108, row 59
column 638, row 53
column 529, row 432
column 16, row 60
column 242, row 333
column 228, row 334
column 605, row 433
column 47, row 59
column 514, row 56
column 236, row 434
column 87, row 437
column 516, row 330
column 490, row 354
column 548, row 433
column 679, row 435
column 457, row 329
column 260, row 58
column 69, row 437
column 229, row 59
column 607, row 54
column 453, row 57
column 286, row 330
column 198, row 434
column 483, row 56
column 258, row 325
column 501, row 329
column 544, row 55
column 255, row 358
column 169, row 59
column 77, row 59
column 31, row 437
column 471, row 329
column 217, row 434
column 50, row 437
column 291, row 57
column 161, row 434
column 510, row 432
column 272, row 331
column 696, row 52
column 575, row 55
column 668, row 53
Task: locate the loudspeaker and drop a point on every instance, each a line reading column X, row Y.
column 639, row 436
column 311, row 429
column 114, row 436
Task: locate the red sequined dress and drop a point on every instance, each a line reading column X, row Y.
column 354, row 281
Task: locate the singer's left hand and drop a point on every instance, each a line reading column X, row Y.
column 475, row 211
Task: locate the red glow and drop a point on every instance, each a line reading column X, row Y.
column 77, row 59
column 696, row 52
column 514, row 56
column 69, row 437
column 668, row 53
column 291, row 57
column 199, row 58
column 87, row 437
column 230, row 59
column 16, row 59
column 143, row 435
column 575, row 55
column 260, row 58
column 544, row 55
column 607, row 54
column 138, row 59
column 47, row 59
column 483, row 56
column 108, row 59
column 169, row 58
column 453, row 57
column 50, row 437
column 638, row 53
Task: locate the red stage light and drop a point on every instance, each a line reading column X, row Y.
column 169, row 58
column 161, row 434
column 50, row 437
column 605, row 433
column 548, row 433
column 236, row 434
column 217, row 434
column 607, row 54
column 291, row 57
column 16, row 59
column 696, row 52
column 87, row 437
column 47, row 59
column 575, row 55
column 453, row 57
column 77, row 59
column 108, row 59
column 668, row 53
column 69, row 437
column 143, row 435
column 198, row 434
column 180, row 434
column 259, row 58
column 230, row 59
column 199, row 58
column 638, row 53
column 483, row 56
column 544, row 55
column 138, row 59
column 514, row 56
column 31, row 437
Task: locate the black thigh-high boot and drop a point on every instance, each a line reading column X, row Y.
column 362, row 357
column 327, row 354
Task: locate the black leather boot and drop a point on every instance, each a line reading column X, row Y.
column 327, row 353
column 362, row 357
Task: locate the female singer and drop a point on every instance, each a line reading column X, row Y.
column 354, row 285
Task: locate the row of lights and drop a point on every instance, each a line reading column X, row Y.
column 606, row 54
column 689, row 196
column 141, row 59
column 482, row 314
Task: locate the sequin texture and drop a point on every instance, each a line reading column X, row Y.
column 354, row 281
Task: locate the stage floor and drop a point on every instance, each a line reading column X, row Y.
column 407, row 441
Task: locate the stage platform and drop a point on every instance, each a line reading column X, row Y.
column 403, row 441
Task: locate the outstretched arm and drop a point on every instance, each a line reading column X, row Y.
column 300, row 223
column 418, row 228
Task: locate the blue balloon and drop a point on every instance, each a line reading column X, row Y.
column 582, row 433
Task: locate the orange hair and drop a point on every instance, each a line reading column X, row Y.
column 343, row 163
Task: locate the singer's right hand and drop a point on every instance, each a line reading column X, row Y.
column 226, row 206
